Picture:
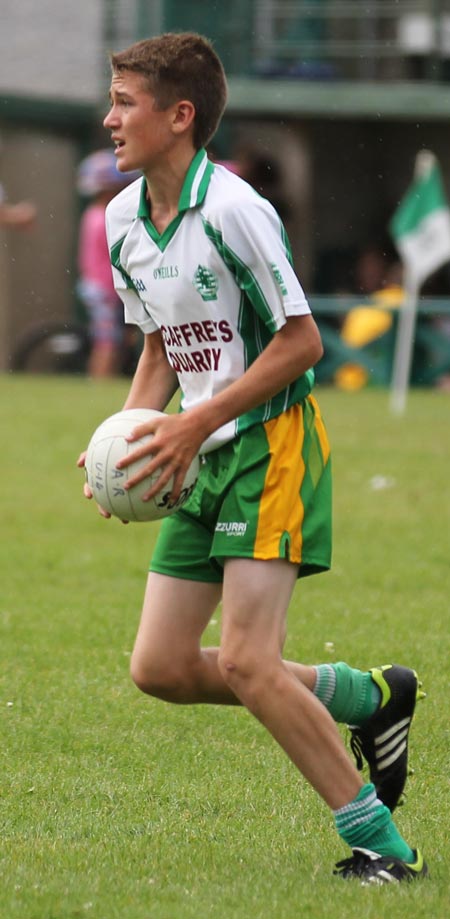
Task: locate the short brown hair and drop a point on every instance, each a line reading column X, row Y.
column 180, row 65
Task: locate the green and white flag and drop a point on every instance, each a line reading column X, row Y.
column 421, row 230
column 421, row 224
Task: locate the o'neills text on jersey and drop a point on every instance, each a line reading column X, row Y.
column 166, row 271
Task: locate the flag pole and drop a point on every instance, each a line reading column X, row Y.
column 421, row 231
column 404, row 347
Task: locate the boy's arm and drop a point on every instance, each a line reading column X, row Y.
column 178, row 438
column 153, row 385
column 154, row 382
column 293, row 350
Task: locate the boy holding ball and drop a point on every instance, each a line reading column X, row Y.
column 203, row 267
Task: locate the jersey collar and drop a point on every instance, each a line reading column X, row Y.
column 196, row 182
column 192, row 194
column 194, row 188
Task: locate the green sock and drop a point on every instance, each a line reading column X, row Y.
column 367, row 824
column 350, row 696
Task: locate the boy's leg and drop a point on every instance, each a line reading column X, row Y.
column 256, row 595
column 255, row 599
column 169, row 662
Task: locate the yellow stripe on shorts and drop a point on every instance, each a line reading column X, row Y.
column 281, row 504
column 320, row 428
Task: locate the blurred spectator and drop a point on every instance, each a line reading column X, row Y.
column 380, row 278
column 99, row 180
column 262, row 172
column 232, row 165
column 21, row 215
column 372, row 266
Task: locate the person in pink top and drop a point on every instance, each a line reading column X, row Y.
column 99, row 179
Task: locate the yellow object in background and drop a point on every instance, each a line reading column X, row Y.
column 361, row 326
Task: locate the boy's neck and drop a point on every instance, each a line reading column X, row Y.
column 164, row 185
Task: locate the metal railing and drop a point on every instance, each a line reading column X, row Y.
column 352, row 39
column 385, row 40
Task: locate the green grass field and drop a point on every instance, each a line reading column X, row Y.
column 115, row 806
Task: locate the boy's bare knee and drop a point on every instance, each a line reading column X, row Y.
column 238, row 670
column 167, row 682
column 149, row 676
column 249, row 675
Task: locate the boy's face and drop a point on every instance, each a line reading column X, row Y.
column 142, row 135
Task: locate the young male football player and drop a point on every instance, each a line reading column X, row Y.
column 202, row 264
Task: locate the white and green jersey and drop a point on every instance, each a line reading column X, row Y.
column 218, row 283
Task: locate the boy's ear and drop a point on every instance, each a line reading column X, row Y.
column 184, row 114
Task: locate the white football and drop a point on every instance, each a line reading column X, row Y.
column 106, row 447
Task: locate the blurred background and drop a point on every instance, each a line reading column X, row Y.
column 330, row 101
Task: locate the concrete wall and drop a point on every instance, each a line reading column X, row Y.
column 37, row 265
column 51, row 49
column 59, row 48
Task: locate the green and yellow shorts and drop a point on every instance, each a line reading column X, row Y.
column 264, row 495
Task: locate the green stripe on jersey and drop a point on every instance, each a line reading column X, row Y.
column 115, row 260
column 255, row 337
column 196, row 182
column 287, row 244
column 257, row 327
column 244, row 276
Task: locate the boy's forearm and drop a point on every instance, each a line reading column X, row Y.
column 154, row 382
column 151, row 390
column 290, row 354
